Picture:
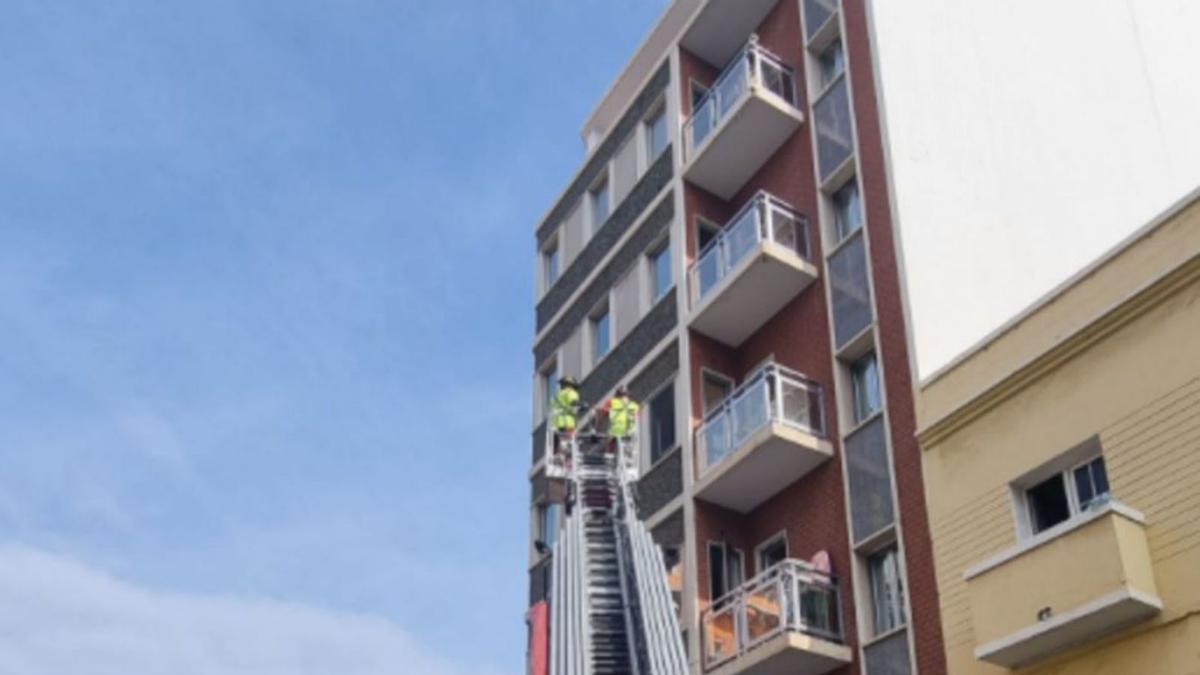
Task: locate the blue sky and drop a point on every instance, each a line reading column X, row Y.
column 265, row 313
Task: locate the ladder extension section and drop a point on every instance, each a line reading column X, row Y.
column 611, row 610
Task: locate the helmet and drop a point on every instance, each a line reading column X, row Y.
column 567, row 381
column 622, row 390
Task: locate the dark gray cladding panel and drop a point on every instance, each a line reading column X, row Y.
column 888, row 657
column 656, row 374
column 670, row 531
column 624, row 358
column 539, row 442
column 610, row 233
column 539, row 581
column 539, row 488
column 658, row 222
column 616, row 137
column 662, row 483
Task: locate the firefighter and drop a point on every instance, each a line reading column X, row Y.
column 622, row 417
column 565, row 409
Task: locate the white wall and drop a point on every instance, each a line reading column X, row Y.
column 1027, row 137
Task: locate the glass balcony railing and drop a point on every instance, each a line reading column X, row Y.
column 773, row 394
column 752, row 66
column 765, row 218
column 791, row 596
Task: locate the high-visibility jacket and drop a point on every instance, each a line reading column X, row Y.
column 622, row 416
column 565, row 402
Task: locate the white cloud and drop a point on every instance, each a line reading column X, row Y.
column 60, row 617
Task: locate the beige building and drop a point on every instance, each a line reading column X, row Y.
column 1062, row 466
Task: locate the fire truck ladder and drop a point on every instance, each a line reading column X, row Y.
column 611, row 610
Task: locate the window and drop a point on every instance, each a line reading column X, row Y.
column 847, row 210
column 601, row 333
column 724, row 570
column 832, row 62
column 660, row 269
column 864, row 386
column 716, row 388
column 662, row 422
column 599, row 198
column 1065, row 494
column 705, row 232
column 656, row 134
column 699, row 91
column 550, row 264
column 772, row 552
column 548, row 517
column 549, row 376
column 887, row 590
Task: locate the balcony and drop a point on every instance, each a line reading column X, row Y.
column 765, row 436
column 1077, row 582
column 743, row 119
column 785, row 620
column 721, row 27
column 755, row 266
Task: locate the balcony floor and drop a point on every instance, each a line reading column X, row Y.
column 751, row 293
column 788, row 654
column 742, row 142
column 773, row 458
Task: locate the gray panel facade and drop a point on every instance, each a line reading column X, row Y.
column 609, row 147
column 655, row 225
column 849, row 289
column 599, row 245
column 888, row 657
column 662, row 483
column 655, row 326
column 870, row 480
column 539, row 581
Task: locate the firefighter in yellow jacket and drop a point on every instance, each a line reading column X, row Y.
column 564, row 410
column 622, row 417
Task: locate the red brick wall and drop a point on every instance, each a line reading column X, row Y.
column 922, row 584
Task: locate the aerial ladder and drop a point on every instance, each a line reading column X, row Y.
column 611, row 608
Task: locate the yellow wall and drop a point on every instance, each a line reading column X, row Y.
column 1131, row 375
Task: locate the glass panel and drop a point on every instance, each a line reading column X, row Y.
column 1083, row 486
column 720, row 638
column 887, row 590
column 656, row 135
column 662, row 423
column 816, row 13
column 716, row 572
column 600, row 206
column 551, row 266
column 818, row 609
column 847, row 210
column 849, row 290
column 869, row 479
column 786, row 232
column 831, row 62
column 888, row 657
column 764, row 612
column 1048, row 504
column 864, row 379
column 600, row 337
column 662, row 271
column 1100, row 476
column 741, row 237
column 749, row 412
column 708, row 270
column 703, row 120
column 717, row 443
column 835, row 137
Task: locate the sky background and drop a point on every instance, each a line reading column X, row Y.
column 265, row 324
column 265, row 291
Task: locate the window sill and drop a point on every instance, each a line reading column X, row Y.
column 1062, row 529
column 883, row 637
column 866, row 422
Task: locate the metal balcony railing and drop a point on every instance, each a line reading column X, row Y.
column 773, row 394
column 753, row 66
column 790, row 596
column 764, row 218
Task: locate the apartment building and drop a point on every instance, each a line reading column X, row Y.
column 1062, row 456
column 726, row 249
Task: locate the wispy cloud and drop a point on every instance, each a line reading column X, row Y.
column 58, row 616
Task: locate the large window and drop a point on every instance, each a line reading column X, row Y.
column 831, row 62
column 599, row 197
column 661, row 412
column 548, row 518
column 656, row 134
column 551, row 263
column 773, row 552
column 887, row 590
column 549, row 386
column 601, row 332
column 660, row 269
column 847, row 210
column 725, row 566
column 864, row 387
column 1065, row 494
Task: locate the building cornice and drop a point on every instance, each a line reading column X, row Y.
column 1111, row 320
